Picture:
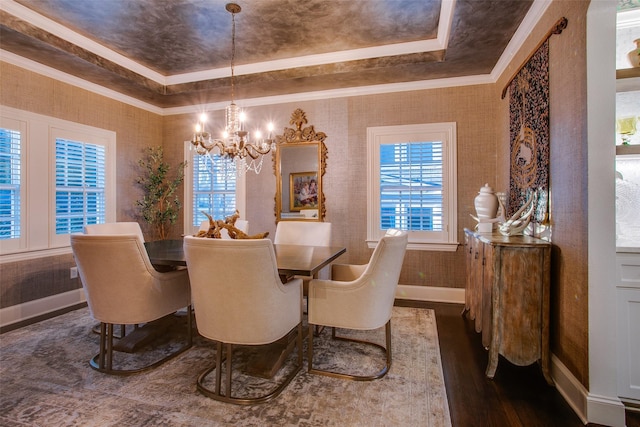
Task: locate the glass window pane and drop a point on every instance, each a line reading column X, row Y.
column 10, row 170
column 80, row 185
column 214, row 187
column 411, row 186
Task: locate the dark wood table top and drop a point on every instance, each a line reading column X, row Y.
column 291, row 259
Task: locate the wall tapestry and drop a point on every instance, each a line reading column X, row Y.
column 529, row 137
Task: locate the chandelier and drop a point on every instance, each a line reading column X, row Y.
column 236, row 143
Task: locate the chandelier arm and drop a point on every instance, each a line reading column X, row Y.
column 257, row 149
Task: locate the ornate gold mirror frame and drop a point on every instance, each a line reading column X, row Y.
column 299, row 164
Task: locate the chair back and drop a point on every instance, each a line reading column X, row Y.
column 121, row 285
column 115, row 228
column 383, row 273
column 238, row 296
column 381, row 280
column 311, row 233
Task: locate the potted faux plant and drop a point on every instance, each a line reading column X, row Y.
column 160, row 204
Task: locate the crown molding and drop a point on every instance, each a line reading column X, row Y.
column 37, row 20
column 538, row 8
column 46, row 71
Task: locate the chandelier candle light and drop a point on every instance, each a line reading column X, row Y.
column 235, row 143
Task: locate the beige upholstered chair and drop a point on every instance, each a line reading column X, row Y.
column 123, row 288
column 310, row 233
column 359, row 297
column 115, row 228
column 239, row 299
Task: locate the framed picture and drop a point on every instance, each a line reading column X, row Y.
column 303, row 191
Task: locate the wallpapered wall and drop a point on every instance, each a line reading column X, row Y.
column 568, row 165
column 483, row 153
column 135, row 129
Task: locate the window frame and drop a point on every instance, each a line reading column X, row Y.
column 39, row 188
column 18, row 243
column 446, row 240
column 189, row 228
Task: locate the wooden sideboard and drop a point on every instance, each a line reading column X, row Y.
column 507, row 295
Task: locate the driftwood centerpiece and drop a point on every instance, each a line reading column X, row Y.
column 216, row 226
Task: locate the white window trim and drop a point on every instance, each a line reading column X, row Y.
column 38, row 205
column 241, row 198
column 445, row 132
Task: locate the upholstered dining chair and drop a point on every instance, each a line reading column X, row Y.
column 123, row 288
column 122, row 227
column 239, row 299
column 115, row 228
column 359, row 297
column 309, row 233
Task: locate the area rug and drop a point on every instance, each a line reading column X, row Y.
column 45, row 380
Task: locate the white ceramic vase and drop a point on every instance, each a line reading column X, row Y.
column 486, row 203
column 634, row 55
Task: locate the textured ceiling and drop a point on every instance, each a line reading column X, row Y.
column 172, row 53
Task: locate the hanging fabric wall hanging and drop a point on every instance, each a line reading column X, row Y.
column 529, row 135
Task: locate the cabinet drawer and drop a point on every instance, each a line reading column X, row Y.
column 628, row 270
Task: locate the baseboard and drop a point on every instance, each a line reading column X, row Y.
column 21, row 312
column 590, row 408
column 429, row 293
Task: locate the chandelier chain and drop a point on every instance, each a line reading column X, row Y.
column 233, row 55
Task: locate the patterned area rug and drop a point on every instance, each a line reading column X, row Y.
column 45, row 380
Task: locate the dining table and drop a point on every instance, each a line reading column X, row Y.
column 291, row 260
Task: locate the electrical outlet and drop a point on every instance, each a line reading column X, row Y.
column 74, row 272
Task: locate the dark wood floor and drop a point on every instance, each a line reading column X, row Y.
column 517, row 396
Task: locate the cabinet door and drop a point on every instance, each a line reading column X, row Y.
column 468, row 246
column 476, row 278
column 487, row 286
column 629, row 343
column 521, row 281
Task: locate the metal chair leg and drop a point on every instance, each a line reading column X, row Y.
column 216, row 394
column 380, row 374
column 103, row 361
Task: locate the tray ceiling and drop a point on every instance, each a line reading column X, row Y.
column 176, row 53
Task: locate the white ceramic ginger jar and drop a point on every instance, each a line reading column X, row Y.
column 486, row 203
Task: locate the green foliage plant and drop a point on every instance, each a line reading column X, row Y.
column 160, row 204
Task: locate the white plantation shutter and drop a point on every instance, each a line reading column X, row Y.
column 10, row 182
column 214, row 188
column 80, row 185
column 411, row 186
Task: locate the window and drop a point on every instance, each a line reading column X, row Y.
column 10, row 179
column 212, row 186
column 412, row 184
column 80, row 185
column 55, row 177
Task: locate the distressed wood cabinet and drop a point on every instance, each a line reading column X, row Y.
column 507, row 296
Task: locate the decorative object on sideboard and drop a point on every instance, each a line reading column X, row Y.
column 634, row 55
column 626, row 128
column 519, row 220
column 236, row 143
column 488, row 209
